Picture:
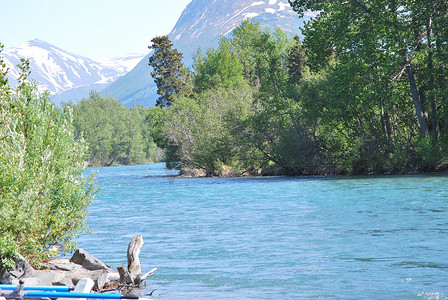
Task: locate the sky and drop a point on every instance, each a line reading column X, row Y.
column 91, row 28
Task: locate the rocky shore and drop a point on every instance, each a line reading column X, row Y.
column 63, row 271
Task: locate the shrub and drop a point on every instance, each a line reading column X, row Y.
column 43, row 193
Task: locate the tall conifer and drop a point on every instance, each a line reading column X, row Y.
column 169, row 73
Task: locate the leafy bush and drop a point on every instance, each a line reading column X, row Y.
column 114, row 133
column 43, row 193
column 431, row 153
column 197, row 132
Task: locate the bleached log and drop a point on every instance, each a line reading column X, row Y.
column 133, row 274
column 134, row 248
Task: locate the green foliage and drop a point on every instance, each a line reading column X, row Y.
column 43, row 193
column 431, row 153
column 400, row 45
column 8, row 251
column 139, row 114
column 219, row 68
column 365, row 92
column 114, row 133
column 296, row 61
column 274, row 128
column 244, row 38
column 197, row 132
column 382, row 59
column 170, row 75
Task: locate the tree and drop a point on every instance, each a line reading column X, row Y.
column 383, row 58
column 391, row 38
column 170, row 75
column 296, row 61
column 139, row 114
column 243, row 114
column 271, row 61
column 114, row 133
column 201, row 132
column 43, row 193
column 220, row 67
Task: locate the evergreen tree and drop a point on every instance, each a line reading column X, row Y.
column 170, row 75
column 296, row 61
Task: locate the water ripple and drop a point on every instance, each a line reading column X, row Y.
column 276, row 237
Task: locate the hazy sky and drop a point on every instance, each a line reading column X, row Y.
column 92, row 28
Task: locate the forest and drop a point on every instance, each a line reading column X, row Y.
column 365, row 92
column 115, row 135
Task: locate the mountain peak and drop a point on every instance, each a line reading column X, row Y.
column 201, row 24
column 58, row 70
column 33, row 43
column 38, row 42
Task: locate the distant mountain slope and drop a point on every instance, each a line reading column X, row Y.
column 64, row 74
column 201, row 24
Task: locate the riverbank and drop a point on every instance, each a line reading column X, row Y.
column 227, row 172
column 81, row 265
column 63, row 271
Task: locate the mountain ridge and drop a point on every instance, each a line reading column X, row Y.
column 63, row 73
column 69, row 76
column 200, row 25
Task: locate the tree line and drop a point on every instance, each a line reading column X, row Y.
column 365, row 91
column 115, row 135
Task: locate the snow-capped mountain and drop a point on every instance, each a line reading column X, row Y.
column 204, row 21
column 201, row 24
column 59, row 71
column 122, row 63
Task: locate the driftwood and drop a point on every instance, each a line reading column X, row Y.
column 132, row 275
column 82, row 265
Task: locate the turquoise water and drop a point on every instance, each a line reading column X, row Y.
column 276, row 237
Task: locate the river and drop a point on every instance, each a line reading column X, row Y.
column 373, row 237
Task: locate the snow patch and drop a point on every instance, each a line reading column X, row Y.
column 177, row 37
column 250, row 15
column 196, row 34
column 234, row 16
column 198, row 20
column 283, row 6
